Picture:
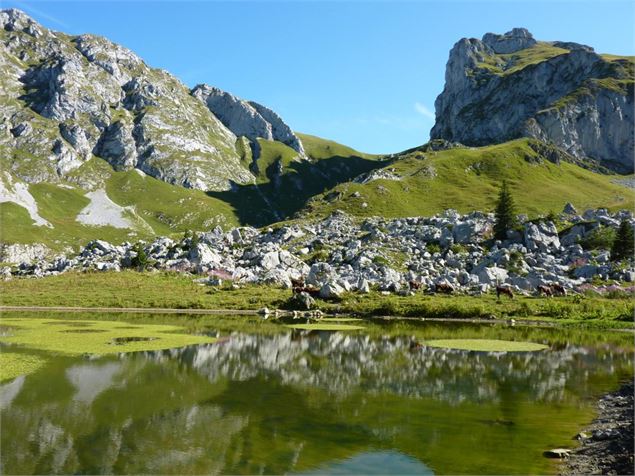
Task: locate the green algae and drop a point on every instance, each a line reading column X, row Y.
column 487, row 345
column 96, row 337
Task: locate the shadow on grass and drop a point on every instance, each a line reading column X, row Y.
column 287, row 193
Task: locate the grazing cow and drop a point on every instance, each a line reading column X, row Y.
column 414, row 285
column 546, row 290
column 297, row 283
column 445, row 288
column 504, row 290
column 310, row 290
column 558, row 290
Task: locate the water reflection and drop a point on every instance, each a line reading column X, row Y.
column 325, row 402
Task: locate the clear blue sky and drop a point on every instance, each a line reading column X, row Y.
column 363, row 73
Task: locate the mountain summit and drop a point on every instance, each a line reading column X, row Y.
column 68, row 98
column 508, row 86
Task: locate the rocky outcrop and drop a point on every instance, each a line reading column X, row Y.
column 65, row 99
column 338, row 255
column 247, row 118
column 508, row 86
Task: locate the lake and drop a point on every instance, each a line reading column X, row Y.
column 266, row 399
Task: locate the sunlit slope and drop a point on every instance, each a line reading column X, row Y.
column 467, row 179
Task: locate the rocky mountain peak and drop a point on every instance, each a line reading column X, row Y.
column 247, row 118
column 512, row 41
column 13, row 19
column 508, row 86
column 67, row 99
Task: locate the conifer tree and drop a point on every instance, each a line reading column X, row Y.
column 624, row 242
column 505, row 213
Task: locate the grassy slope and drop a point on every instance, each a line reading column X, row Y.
column 504, row 64
column 133, row 289
column 165, row 208
column 60, row 206
column 168, row 208
column 468, row 179
column 276, row 197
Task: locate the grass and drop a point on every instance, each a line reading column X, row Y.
column 168, row 208
column 513, row 62
column 468, row 179
column 94, row 337
column 14, row 364
column 318, row 148
column 487, row 345
column 60, row 207
column 172, row 290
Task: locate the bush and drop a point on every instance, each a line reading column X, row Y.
column 601, row 238
column 140, row 261
column 433, row 248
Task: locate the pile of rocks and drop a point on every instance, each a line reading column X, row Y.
column 339, row 254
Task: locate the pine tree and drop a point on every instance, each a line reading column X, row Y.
column 505, row 213
column 140, row 260
column 624, row 242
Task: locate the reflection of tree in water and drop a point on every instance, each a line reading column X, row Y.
column 293, row 402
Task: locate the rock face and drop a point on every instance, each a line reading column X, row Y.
column 65, row 99
column 508, row 86
column 247, row 118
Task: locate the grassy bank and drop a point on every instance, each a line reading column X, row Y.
column 170, row 290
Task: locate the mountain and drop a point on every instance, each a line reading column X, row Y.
column 503, row 87
column 94, row 143
column 67, row 99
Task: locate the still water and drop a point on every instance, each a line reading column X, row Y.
column 312, row 403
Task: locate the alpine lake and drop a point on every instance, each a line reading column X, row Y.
column 182, row 394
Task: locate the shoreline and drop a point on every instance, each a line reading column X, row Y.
column 607, row 444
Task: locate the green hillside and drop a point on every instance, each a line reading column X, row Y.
column 285, row 183
column 468, row 179
column 416, row 182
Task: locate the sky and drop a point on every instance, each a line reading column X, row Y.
column 365, row 74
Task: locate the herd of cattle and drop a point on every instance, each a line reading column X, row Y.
column 299, row 286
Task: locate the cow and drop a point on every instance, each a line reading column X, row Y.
column 310, row 290
column 546, row 290
column 414, row 285
column 504, row 290
column 445, row 288
column 558, row 289
column 297, row 283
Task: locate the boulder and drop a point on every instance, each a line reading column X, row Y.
column 270, row 260
column 301, row 301
column 541, row 236
column 320, row 274
column 492, row 275
column 331, row 291
column 569, row 209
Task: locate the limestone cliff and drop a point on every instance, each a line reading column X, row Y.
column 508, row 86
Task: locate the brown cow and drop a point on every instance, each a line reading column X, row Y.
column 546, row 290
column 297, row 283
column 414, row 285
column 558, row 290
column 310, row 290
column 504, row 290
column 445, row 288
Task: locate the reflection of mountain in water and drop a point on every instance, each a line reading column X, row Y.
column 342, row 364
column 297, row 403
